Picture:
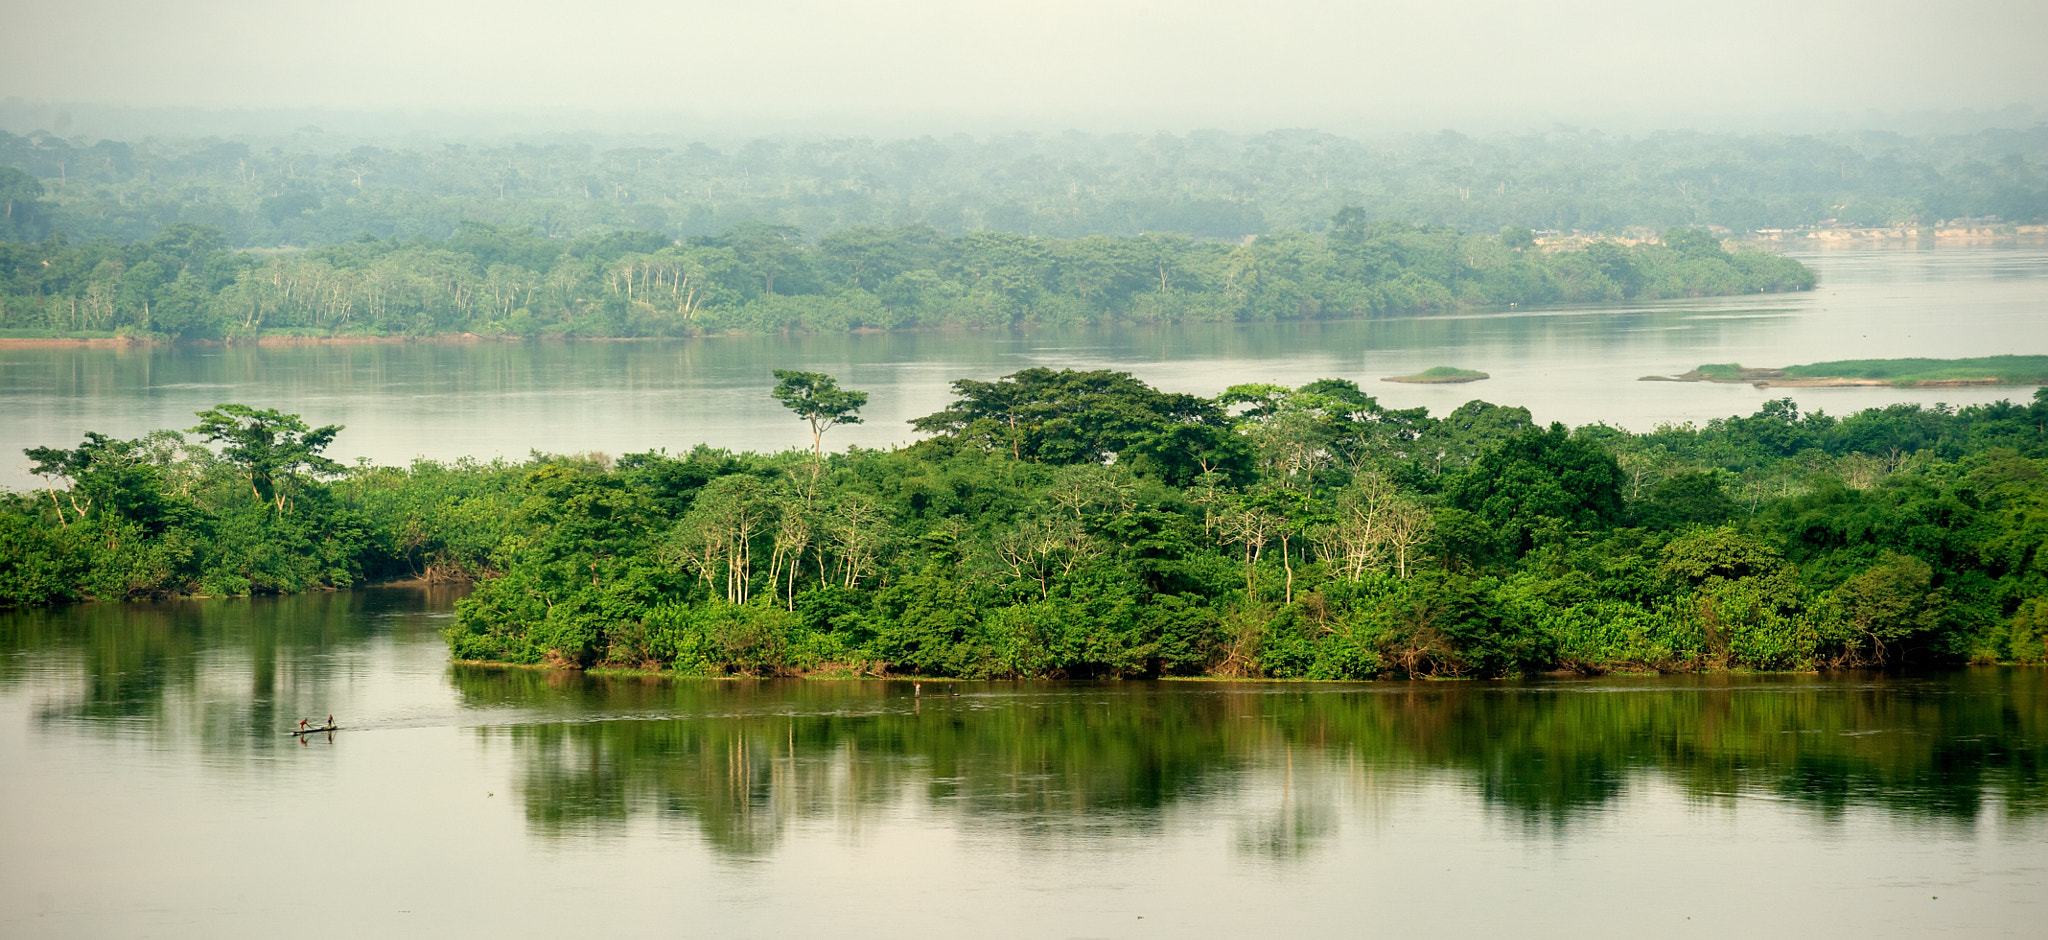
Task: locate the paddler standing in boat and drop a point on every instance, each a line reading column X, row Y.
column 302, row 726
column 330, row 722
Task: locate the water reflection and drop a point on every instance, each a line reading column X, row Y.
column 231, row 672
column 746, row 767
column 743, row 762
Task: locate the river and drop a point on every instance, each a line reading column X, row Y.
column 1575, row 364
column 149, row 791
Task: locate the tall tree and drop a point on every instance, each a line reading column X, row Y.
column 270, row 446
column 817, row 398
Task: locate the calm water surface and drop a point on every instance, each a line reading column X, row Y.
column 145, row 790
column 1571, row 364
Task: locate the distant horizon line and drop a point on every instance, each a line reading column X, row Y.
column 24, row 116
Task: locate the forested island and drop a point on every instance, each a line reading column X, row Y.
column 1083, row 524
column 485, row 281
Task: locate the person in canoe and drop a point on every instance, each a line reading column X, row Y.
column 330, row 722
column 302, row 726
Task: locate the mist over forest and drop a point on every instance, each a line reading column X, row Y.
column 307, row 188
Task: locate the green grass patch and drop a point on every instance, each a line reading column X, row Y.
column 1440, row 375
column 2013, row 370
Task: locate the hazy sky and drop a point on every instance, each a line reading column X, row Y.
column 1145, row 62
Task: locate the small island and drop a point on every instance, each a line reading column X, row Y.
column 1441, row 375
column 1895, row 373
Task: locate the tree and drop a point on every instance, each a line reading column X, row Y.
column 1690, row 498
column 817, row 398
column 111, row 477
column 21, row 206
column 270, row 446
column 1892, row 602
column 1537, row 476
column 1374, row 525
column 1326, row 421
column 1703, row 557
column 770, row 250
column 1070, row 417
column 717, row 534
column 1694, row 243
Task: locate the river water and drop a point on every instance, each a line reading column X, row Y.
column 146, row 790
column 1575, row 364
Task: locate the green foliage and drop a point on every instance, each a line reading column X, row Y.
column 271, row 447
column 1539, row 483
column 2026, row 635
column 510, row 282
column 1689, row 498
column 1082, row 524
column 1070, row 417
column 155, row 516
column 37, row 566
column 1694, row 244
column 436, row 521
column 1892, row 603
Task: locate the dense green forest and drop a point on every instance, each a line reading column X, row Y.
column 762, row 278
column 306, row 189
column 1072, row 524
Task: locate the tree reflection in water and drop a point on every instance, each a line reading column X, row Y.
column 230, row 672
column 743, row 762
column 1280, row 766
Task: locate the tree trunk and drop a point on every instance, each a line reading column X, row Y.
column 62, row 522
column 1288, row 564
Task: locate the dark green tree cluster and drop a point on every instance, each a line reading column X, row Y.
column 1070, row 524
column 759, row 278
column 309, row 190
